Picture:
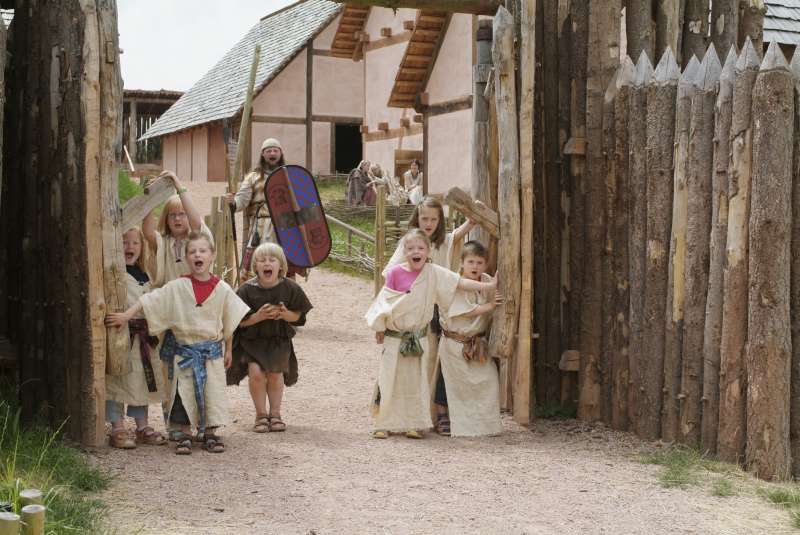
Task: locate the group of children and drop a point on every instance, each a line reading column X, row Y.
column 188, row 327
column 432, row 324
column 191, row 334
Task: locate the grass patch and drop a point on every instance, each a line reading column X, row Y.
column 724, row 488
column 127, row 187
column 783, row 496
column 682, row 466
column 557, row 411
column 36, row 457
column 331, row 189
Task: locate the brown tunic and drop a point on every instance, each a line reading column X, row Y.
column 268, row 342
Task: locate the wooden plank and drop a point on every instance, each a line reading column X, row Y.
column 394, row 134
column 336, row 119
column 450, row 106
column 487, row 218
column 380, row 237
column 309, row 162
column 137, row 208
column 389, row 41
column 277, row 119
column 386, row 32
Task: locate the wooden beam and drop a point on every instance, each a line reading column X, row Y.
column 418, row 118
column 475, row 7
column 137, row 208
column 475, row 210
column 326, row 53
column 384, row 126
column 408, row 25
column 309, row 104
column 386, row 32
column 393, row 134
column 336, row 119
column 277, row 119
column 389, row 41
column 449, row 106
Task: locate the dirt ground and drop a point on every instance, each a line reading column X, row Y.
column 325, row 475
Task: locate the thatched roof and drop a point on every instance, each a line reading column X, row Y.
column 221, row 92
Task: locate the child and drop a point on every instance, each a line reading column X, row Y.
column 263, row 347
column 200, row 311
column 473, row 386
column 144, row 384
column 168, row 239
column 400, row 316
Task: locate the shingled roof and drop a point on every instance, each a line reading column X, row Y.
column 221, row 92
column 782, row 22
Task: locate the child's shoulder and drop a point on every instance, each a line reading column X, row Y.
column 293, row 285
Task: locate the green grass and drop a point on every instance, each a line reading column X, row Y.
column 783, row 496
column 36, row 457
column 127, row 187
column 331, row 189
column 724, row 488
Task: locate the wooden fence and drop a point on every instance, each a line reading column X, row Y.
column 703, row 247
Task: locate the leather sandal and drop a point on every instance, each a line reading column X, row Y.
column 276, row 425
column 184, row 444
column 213, row 443
column 443, row 425
column 121, row 439
column 261, row 425
column 150, row 437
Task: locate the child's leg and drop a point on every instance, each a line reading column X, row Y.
column 114, row 414
column 138, row 413
column 144, row 433
column 258, row 388
column 275, row 393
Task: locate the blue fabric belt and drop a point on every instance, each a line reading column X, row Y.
column 194, row 355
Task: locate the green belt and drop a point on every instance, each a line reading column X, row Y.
column 410, row 345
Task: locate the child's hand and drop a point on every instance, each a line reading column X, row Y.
column 227, row 360
column 492, row 283
column 498, row 299
column 379, row 336
column 116, row 319
column 282, row 312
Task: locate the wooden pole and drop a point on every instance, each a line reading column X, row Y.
column 477, row 211
column 794, row 410
column 669, row 28
column 673, row 332
column 724, row 23
column 699, row 169
column 695, row 28
column 637, row 140
column 523, row 377
column 751, row 23
column 506, row 316
column 33, row 519
column 30, row 497
column 475, row 7
column 619, row 227
column 719, row 233
column 380, row 237
column 733, row 370
column 9, row 524
column 640, row 28
column 769, row 342
column 661, row 94
column 480, row 116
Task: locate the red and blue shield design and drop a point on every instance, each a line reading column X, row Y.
column 297, row 215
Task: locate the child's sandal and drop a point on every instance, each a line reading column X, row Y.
column 213, row 443
column 414, row 434
column 261, row 425
column 184, row 445
column 380, row 434
column 150, row 437
column 276, row 425
column 121, row 439
column 443, row 425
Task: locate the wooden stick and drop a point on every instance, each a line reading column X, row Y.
column 380, row 237
column 30, row 497
column 751, row 23
column 33, row 519
column 477, row 211
column 719, row 234
column 673, row 331
column 9, row 523
column 794, row 410
column 698, row 231
column 769, row 342
column 733, row 371
column 137, row 208
column 669, row 18
column 480, row 114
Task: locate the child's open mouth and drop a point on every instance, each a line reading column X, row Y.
column 416, row 259
column 129, row 256
column 267, row 273
column 198, row 264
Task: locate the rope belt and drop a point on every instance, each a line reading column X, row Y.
column 475, row 348
column 410, row 345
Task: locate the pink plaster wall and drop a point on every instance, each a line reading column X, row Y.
column 449, row 147
column 285, row 96
column 380, row 70
column 382, row 152
column 321, row 153
column 200, row 154
column 184, row 166
column 216, row 153
column 381, row 17
column 291, row 136
column 338, row 87
column 324, row 40
column 452, row 75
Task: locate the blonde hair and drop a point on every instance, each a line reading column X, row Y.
column 197, row 235
column 143, row 261
column 275, row 251
column 417, row 234
column 172, row 202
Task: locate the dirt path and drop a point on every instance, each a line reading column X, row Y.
column 325, row 475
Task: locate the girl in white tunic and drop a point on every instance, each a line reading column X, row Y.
column 202, row 312
column 144, row 384
column 473, row 385
column 400, row 315
column 167, row 238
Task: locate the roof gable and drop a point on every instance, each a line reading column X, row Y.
column 782, row 22
column 220, row 93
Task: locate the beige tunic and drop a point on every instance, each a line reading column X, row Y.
column 473, row 389
column 405, row 402
column 170, row 263
column 174, row 307
column 131, row 388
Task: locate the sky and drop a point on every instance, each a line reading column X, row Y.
column 170, row 44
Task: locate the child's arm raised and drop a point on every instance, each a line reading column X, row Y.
column 149, row 229
column 118, row 319
column 195, row 219
column 463, row 230
column 475, row 286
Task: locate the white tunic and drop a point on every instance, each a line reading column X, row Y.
column 441, row 256
column 405, row 402
column 173, row 307
column 131, row 388
column 473, row 388
column 170, row 262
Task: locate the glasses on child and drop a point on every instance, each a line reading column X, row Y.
column 176, row 215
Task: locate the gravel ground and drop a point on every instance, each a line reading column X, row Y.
column 325, row 475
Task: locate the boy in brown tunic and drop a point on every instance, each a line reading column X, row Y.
column 263, row 349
